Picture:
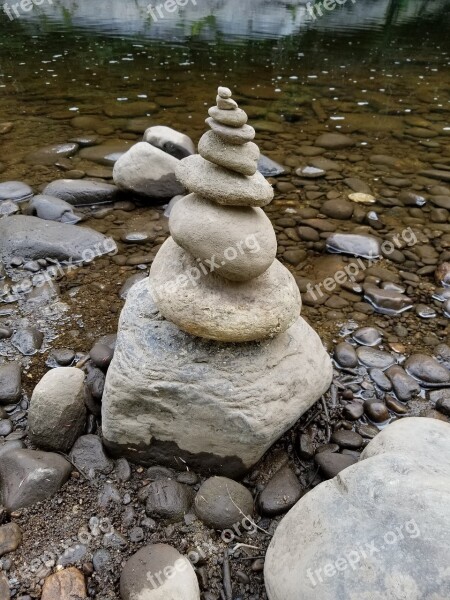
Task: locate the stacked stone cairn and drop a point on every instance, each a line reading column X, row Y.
column 217, row 276
column 213, row 362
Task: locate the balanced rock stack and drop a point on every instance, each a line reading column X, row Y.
column 180, row 390
column 217, row 277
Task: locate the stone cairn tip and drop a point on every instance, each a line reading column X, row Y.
column 217, row 276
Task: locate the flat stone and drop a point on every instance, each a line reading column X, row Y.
column 89, row 456
column 48, row 155
column 68, row 584
column 51, row 208
column 57, row 413
column 170, row 141
column 372, row 357
column 221, row 185
column 345, row 355
column 29, row 476
column 337, row 209
column 376, row 411
column 406, row 460
column 168, row 499
column 274, row 382
column 27, row 340
column 33, row 238
column 148, row 171
column 106, row 154
column 5, row 592
column 365, row 246
column 387, row 302
column 10, row 383
column 332, row 463
column 367, row 336
column 81, row 192
column 221, row 503
column 380, row 379
column 158, row 572
column 10, row 538
column 241, row 159
column 206, row 306
column 436, row 174
column 231, row 118
column 15, row 190
column 441, row 399
column 243, row 234
column 405, row 386
column 270, row 168
column 427, row 370
column 334, row 141
column 347, row 439
column 232, row 135
column 130, row 109
column 8, row 207
column 280, row 494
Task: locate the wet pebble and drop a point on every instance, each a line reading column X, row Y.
column 28, row 340
column 374, row 358
column 425, row 312
column 427, row 370
column 345, row 355
column 353, row 411
column 337, row 209
column 367, row 336
column 387, row 302
column 365, row 246
column 280, row 494
column 395, row 405
column 380, row 379
column 101, row 355
column 376, row 411
column 332, row 463
column 347, row 439
column 6, row 427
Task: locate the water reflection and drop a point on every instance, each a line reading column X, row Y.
column 213, row 19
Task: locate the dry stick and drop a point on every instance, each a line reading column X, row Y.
column 246, row 516
column 333, row 395
column 227, row 586
column 80, row 364
column 327, row 415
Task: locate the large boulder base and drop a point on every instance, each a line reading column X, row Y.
column 378, row 530
column 177, row 400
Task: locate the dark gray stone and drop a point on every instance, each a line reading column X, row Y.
column 280, row 494
column 405, row 386
column 427, row 370
column 89, row 456
column 82, row 192
column 51, row 208
column 28, row 340
column 221, row 503
column 10, row 383
column 168, row 499
column 332, row 463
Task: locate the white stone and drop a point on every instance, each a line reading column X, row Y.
column 231, row 118
column 224, row 92
column 209, row 306
column 221, row 185
column 379, row 530
column 241, row 159
column 147, row 171
column 174, row 399
column 226, row 103
column 208, row 230
column 169, row 140
column 232, row 135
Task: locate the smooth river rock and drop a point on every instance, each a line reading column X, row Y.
column 244, row 233
column 169, row 140
column 161, row 378
column 32, row 238
column 81, row 192
column 379, row 530
column 219, row 309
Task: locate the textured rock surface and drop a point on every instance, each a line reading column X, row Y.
column 242, row 159
column 147, row 171
column 391, row 537
column 158, row 572
column 28, row 477
column 67, row 584
column 223, row 186
column 33, row 238
column 214, row 308
column 162, row 379
column 57, row 412
column 81, row 192
column 245, row 233
column 221, row 502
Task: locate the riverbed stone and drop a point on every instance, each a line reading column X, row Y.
column 168, row 499
column 268, row 304
column 245, row 230
column 81, row 192
column 88, row 455
column 334, row 141
column 158, row 572
column 149, row 172
column 49, row 155
column 10, row 382
column 366, row 246
column 57, row 413
column 405, row 386
column 273, row 383
column 280, row 494
column 67, row 584
column 427, row 370
column 221, row 185
column 29, row 476
column 33, row 238
column 10, row 538
column 312, row 552
column 170, row 141
column 17, row 191
column 51, row 208
column 221, row 503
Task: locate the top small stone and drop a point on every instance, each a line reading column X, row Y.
column 224, row 92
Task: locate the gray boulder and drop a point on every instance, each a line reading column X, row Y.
column 28, row 477
column 57, row 413
column 147, row 171
column 82, row 192
column 33, row 238
column 51, row 208
column 380, row 529
column 174, row 399
column 169, row 140
column 15, row 190
column 10, row 382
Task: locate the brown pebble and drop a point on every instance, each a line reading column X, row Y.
column 376, row 411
